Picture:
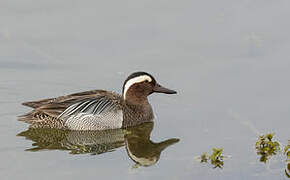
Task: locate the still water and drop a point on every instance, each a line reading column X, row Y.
column 229, row 62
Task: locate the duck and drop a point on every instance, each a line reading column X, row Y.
column 98, row 109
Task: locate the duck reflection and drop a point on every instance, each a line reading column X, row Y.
column 77, row 142
column 141, row 149
column 137, row 141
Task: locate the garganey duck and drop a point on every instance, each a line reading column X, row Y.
column 98, row 109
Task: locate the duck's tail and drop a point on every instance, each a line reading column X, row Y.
column 36, row 104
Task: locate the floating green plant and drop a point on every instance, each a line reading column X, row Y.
column 203, row 157
column 287, row 151
column 287, row 170
column 216, row 158
column 266, row 147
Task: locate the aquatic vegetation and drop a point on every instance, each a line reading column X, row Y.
column 266, row 147
column 216, row 158
column 287, row 171
column 203, row 157
column 287, row 152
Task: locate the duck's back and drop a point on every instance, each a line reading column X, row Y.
column 90, row 110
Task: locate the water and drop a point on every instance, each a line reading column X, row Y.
column 229, row 62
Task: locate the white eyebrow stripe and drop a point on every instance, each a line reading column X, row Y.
column 135, row 80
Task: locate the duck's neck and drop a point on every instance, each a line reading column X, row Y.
column 135, row 98
column 137, row 111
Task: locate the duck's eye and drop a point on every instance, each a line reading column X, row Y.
column 146, row 81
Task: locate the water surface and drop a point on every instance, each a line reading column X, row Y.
column 229, row 62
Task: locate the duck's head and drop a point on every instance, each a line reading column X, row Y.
column 139, row 85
